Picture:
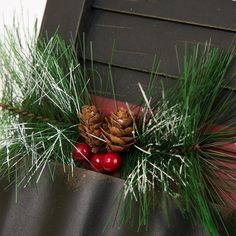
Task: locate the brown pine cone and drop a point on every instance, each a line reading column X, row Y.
column 119, row 131
column 91, row 121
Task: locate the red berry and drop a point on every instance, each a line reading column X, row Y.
column 81, row 151
column 111, row 161
column 96, row 162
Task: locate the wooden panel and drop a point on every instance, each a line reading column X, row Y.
column 138, row 39
column 209, row 13
column 127, row 90
column 126, row 83
column 68, row 18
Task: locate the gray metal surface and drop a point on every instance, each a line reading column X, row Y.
column 78, row 206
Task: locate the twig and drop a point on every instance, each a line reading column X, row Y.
column 26, row 113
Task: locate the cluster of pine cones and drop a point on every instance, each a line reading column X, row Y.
column 114, row 133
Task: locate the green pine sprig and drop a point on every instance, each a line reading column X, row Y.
column 171, row 154
column 43, row 90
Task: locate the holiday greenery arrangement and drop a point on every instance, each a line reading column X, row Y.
column 176, row 148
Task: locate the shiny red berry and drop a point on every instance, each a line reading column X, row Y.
column 96, row 162
column 81, row 151
column 111, row 161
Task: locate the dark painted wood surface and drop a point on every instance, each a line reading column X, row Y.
column 209, row 13
column 114, row 26
column 136, row 40
column 126, row 83
column 67, row 17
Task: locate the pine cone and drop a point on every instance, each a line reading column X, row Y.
column 119, row 131
column 91, row 121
